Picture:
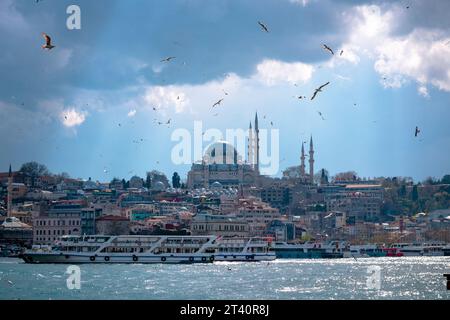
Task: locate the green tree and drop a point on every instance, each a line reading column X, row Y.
column 176, row 180
column 34, row 170
column 446, row 179
column 415, row 193
column 148, row 180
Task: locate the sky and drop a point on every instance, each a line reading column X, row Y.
column 86, row 107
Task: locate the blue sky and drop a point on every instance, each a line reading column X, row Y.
column 63, row 107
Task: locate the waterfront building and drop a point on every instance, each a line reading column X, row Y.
column 112, row 225
column 220, row 225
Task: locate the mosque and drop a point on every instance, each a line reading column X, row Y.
column 222, row 166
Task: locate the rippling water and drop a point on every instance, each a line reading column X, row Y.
column 401, row 278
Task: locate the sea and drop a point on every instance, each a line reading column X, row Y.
column 339, row 279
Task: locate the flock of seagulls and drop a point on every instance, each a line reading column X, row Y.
column 49, row 46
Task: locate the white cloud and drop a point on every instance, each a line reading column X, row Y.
column 302, row 2
column 272, row 72
column 166, row 97
column 131, row 113
column 421, row 55
column 423, row 91
column 72, row 118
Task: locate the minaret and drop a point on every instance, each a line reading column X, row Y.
column 311, row 161
column 302, row 158
column 257, row 142
column 9, row 213
column 250, row 155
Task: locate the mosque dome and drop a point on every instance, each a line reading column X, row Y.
column 221, row 152
column 216, row 185
column 159, row 186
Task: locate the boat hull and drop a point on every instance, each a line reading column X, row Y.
column 245, row 257
column 68, row 258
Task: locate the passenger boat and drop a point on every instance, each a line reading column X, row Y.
column 308, row 250
column 365, row 251
column 243, row 249
column 148, row 249
column 420, row 249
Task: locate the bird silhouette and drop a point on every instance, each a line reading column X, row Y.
column 417, row 131
column 319, row 89
column 328, row 49
column 48, row 42
column 263, row 26
column 217, row 103
column 167, row 59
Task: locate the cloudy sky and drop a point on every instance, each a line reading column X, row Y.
column 86, row 107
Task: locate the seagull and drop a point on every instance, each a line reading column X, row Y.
column 217, row 103
column 417, row 131
column 225, row 92
column 320, row 114
column 271, row 123
column 263, row 26
column 167, row 59
column 168, row 121
column 342, row 51
column 48, row 42
column 328, row 48
column 301, row 97
column 319, row 89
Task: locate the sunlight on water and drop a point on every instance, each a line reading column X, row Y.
column 400, row 278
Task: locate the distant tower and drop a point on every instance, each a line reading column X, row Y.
column 302, row 158
column 251, row 147
column 257, row 141
column 311, row 161
column 9, row 213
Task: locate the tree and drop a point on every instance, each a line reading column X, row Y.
column 176, row 180
column 321, row 176
column 414, row 193
column 34, row 170
column 346, row 176
column 446, row 179
column 148, row 180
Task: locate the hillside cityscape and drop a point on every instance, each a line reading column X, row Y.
column 224, row 196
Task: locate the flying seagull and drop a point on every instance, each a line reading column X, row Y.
column 263, row 26
column 328, row 48
column 342, row 51
column 48, row 42
column 217, row 103
column 167, row 59
column 320, row 114
column 168, row 121
column 417, row 131
column 319, row 89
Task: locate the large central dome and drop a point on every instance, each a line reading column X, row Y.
column 220, row 152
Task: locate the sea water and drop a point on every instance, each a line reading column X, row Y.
column 395, row 278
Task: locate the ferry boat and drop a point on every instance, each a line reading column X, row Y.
column 420, row 249
column 244, row 249
column 308, row 250
column 148, row 249
column 365, row 251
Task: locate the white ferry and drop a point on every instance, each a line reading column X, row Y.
column 420, row 249
column 243, row 249
column 147, row 249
